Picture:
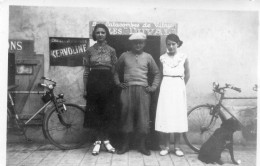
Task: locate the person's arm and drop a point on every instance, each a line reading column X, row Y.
column 156, row 73
column 85, row 79
column 113, row 60
column 186, row 71
column 161, row 69
column 118, row 68
column 85, row 73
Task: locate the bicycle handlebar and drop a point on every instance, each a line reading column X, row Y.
column 48, row 79
column 49, row 86
column 233, row 87
column 218, row 89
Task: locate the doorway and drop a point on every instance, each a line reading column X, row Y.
column 153, row 46
column 121, row 44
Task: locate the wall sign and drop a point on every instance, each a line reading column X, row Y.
column 24, row 69
column 21, row 47
column 67, row 51
column 128, row 28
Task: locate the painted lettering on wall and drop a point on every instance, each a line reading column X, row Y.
column 20, row 46
column 128, row 28
column 67, row 51
column 15, row 45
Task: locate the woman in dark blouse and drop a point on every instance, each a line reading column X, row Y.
column 99, row 62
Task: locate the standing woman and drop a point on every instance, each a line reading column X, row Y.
column 99, row 62
column 171, row 114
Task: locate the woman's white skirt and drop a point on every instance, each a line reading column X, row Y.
column 171, row 113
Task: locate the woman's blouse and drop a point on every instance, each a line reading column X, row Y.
column 98, row 56
column 173, row 65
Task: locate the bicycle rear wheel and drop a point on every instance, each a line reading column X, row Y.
column 202, row 124
column 65, row 130
column 249, row 121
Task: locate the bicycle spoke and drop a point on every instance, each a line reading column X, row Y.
column 200, row 126
column 66, row 131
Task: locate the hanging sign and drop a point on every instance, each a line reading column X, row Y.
column 67, row 51
column 128, row 28
column 21, row 47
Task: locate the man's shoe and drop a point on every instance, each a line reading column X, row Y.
column 142, row 145
column 123, row 150
column 145, row 151
column 125, row 147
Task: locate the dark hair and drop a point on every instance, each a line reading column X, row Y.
column 174, row 38
column 100, row 26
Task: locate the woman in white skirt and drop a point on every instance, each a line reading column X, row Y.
column 171, row 114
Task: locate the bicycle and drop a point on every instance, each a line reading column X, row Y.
column 62, row 123
column 205, row 119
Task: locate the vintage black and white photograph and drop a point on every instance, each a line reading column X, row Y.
column 140, row 83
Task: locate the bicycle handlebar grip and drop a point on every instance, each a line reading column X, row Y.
column 48, row 79
column 236, row 89
column 42, row 85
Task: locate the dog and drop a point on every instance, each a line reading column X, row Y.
column 222, row 138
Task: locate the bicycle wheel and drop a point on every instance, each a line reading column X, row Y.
column 249, row 121
column 202, row 124
column 65, row 130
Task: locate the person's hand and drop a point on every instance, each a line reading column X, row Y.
column 150, row 89
column 85, row 94
column 123, row 85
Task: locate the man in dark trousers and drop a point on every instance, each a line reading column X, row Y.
column 135, row 96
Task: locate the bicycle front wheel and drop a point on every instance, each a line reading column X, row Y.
column 202, row 123
column 65, row 130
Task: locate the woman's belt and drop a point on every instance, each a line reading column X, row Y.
column 173, row 76
column 99, row 68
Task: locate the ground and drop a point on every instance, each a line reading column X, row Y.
column 31, row 154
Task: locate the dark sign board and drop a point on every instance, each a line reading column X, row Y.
column 128, row 28
column 67, row 51
column 21, row 47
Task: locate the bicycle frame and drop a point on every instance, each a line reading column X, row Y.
column 56, row 108
column 52, row 100
column 219, row 105
column 208, row 115
column 27, row 92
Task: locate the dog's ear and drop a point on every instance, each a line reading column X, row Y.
column 238, row 126
column 231, row 124
column 235, row 125
column 226, row 123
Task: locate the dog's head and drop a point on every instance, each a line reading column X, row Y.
column 231, row 124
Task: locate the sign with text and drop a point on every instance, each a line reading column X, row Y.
column 128, row 28
column 25, row 47
column 67, row 51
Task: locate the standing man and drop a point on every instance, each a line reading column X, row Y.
column 135, row 95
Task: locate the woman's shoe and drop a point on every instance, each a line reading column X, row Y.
column 109, row 147
column 96, row 148
column 178, row 152
column 164, row 152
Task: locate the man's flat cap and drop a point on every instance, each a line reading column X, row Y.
column 138, row 36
